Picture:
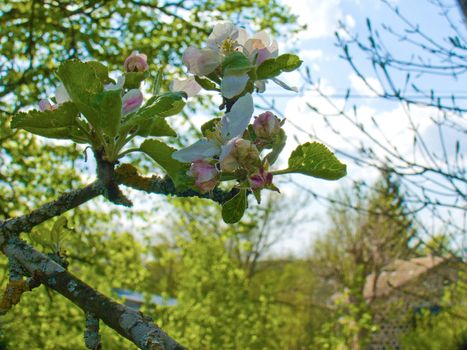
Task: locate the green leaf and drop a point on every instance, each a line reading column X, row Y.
column 233, row 209
column 162, row 155
column 101, row 71
column 109, row 106
column 209, row 126
column 274, row 66
column 156, row 127
column 206, row 84
column 236, row 64
column 165, row 105
column 277, row 147
column 133, row 79
column 57, row 124
column 146, row 126
column 101, row 108
column 83, row 85
column 315, row 159
column 157, row 84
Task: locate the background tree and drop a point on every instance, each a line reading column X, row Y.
column 358, row 242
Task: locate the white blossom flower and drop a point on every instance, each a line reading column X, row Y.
column 232, row 125
column 189, row 86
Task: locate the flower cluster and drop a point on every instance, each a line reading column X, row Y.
column 231, row 146
column 131, row 100
column 232, row 54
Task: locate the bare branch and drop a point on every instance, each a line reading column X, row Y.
column 128, row 322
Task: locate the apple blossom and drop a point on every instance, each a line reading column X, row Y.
column 259, row 47
column 136, row 62
column 201, row 61
column 131, row 101
column 239, row 154
column 45, row 105
column 223, row 37
column 260, row 180
column 205, row 174
column 232, row 125
column 117, row 86
column 266, row 125
column 61, row 95
column 189, row 86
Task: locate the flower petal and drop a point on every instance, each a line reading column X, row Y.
column 117, row 86
column 284, row 85
column 233, row 85
column 236, row 121
column 242, row 36
column 61, row 95
column 189, row 86
column 201, row 61
column 221, row 31
column 131, row 101
column 261, row 85
column 201, row 149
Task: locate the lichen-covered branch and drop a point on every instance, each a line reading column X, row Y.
column 128, row 175
column 106, row 174
column 92, row 338
column 65, row 202
column 128, row 322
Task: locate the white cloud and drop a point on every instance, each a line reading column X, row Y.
column 361, row 88
column 311, row 54
column 393, row 128
column 320, row 17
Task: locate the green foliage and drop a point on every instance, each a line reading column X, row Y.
column 209, row 126
column 445, row 330
column 165, row 105
column 162, row 154
column 358, row 242
column 46, row 320
column 57, row 124
column 236, row 64
column 152, row 126
column 277, row 147
column 233, row 209
column 315, row 159
column 207, row 84
column 273, row 67
column 84, row 88
column 40, row 37
column 133, row 80
column 216, row 309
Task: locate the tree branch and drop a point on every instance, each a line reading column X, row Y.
column 65, row 202
column 128, row 322
column 128, row 175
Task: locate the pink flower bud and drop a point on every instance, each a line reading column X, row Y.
column 239, row 153
column 131, row 101
column 136, row 62
column 45, row 105
column 205, row 174
column 266, row 125
column 261, row 179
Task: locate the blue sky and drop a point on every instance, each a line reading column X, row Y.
column 316, row 46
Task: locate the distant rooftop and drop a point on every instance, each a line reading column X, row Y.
column 399, row 273
column 135, row 300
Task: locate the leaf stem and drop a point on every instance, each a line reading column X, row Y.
column 129, row 150
column 282, row 172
